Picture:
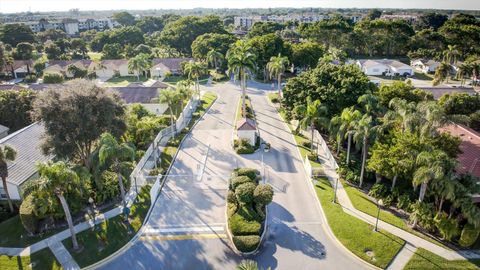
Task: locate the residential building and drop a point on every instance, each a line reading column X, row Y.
column 425, row 65
column 3, row 131
column 406, row 17
column 246, row 22
column 247, row 130
column 61, row 66
column 18, row 69
column 384, row 67
column 71, row 26
column 26, row 143
column 137, row 94
column 107, row 69
column 163, row 66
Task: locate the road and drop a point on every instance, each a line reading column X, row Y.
column 187, row 227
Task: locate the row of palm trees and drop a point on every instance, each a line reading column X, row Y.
column 469, row 69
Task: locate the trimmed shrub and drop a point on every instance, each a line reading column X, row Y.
column 108, row 189
column 231, row 198
column 248, row 213
column 240, row 226
column 263, row 194
column 312, row 157
column 251, row 173
column 27, row 214
column 31, row 78
column 246, row 243
column 469, row 235
column 244, row 192
column 231, row 209
column 239, row 180
column 52, row 78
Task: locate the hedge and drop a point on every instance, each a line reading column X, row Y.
column 246, row 243
column 244, row 192
column 239, row 180
column 250, row 173
column 27, row 214
column 469, row 235
column 239, row 226
column 53, row 78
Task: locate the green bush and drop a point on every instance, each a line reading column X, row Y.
column 243, row 147
column 248, row 213
column 27, row 214
column 469, row 235
column 306, row 144
column 108, row 188
column 263, row 194
column 244, row 192
column 231, row 198
column 403, row 202
column 240, row 226
column 246, row 243
column 312, row 157
column 448, row 227
column 52, row 78
column 378, row 191
column 231, row 209
column 251, row 173
column 238, row 180
column 31, row 78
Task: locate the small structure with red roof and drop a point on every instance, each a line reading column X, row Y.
column 247, row 130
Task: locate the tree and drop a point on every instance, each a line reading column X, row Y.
column 15, row 33
column 194, row 71
column 79, row 48
column 51, row 34
column 402, row 90
column 52, row 50
column 7, row 153
column 264, row 28
column 24, row 51
column 150, row 24
column 57, row 178
column 306, row 54
column 241, row 63
column 215, row 58
column 459, row 103
column 170, row 97
column 373, row 14
column 205, row 43
column 365, row 132
column 112, row 51
column 112, row 154
column 139, row 64
column 75, row 116
column 314, row 113
column 462, row 30
column 329, row 32
column 442, row 73
column 124, row 18
column 266, row 47
column 346, row 126
column 465, row 70
column 124, row 35
column 276, row 68
column 15, row 107
column 431, row 20
column 450, row 55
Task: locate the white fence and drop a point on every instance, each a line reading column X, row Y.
column 322, row 151
column 139, row 176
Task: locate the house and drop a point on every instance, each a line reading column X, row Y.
column 437, row 92
column 138, row 94
column 384, row 67
column 155, row 108
column 3, row 131
column 61, row 66
column 247, row 130
column 26, row 143
column 107, row 69
column 425, row 66
column 162, row 66
column 18, row 69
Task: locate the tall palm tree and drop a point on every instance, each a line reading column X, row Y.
column 248, row 265
column 59, row 179
column 450, row 55
column 136, row 64
column 194, row 71
column 241, row 63
column 170, row 97
column 465, row 70
column 184, row 91
column 276, row 68
column 346, row 126
column 315, row 112
column 442, row 73
column 113, row 153
column 403, row 113
column 215, row 58
column 365, row 131
column 7, row 153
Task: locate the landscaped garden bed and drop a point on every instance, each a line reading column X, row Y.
column 247, row 202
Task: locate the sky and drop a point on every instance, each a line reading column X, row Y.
column 11, row 6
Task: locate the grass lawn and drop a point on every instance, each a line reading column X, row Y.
column 304, row 151
column 423, row 76
column 356, row 235
column 424, row 259
column 273, row 97
column 95, row 56
column 361, row 201
column 12, row 234
column 114, row 230
column 123, row 81
column 41, row 260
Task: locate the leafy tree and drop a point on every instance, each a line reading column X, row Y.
column 113, row 153
column 51, row 34
column 460, row 103
column 52, row 50
column 331, row 32
column 194, row 71
column 15, row 33
column 427, row 39
column 450, row 55
column 215, row 58
column 24, row 51
column 124, row 18
column 402, row 90
column 150, row 24
column 373, row 14
column 76, row 71
column 79, row 48
column 181, row 33
column 112, row 51
column 124, row 35
column 15, row 107
column 57, row 178
column 75, row 117
column 431, row 20
column 306, row 54
column 211, row 41
column 314, row 113
column 276, row 68
column 7, row 153
column 264, row 28
column 38, row 67
column 143, row 49
column 462, row 30
column 266, row 47
column 442, row 73
column 242, row 63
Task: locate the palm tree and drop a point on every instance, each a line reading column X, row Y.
column 241, row 63
column 315, row 112
column 441, row 74
column 170, row 97
column 450, row 55
column 215, row 58
column 113, row 153
column 184, row 91
column 276, row 67
column 6, row 154
column 404, row 113
column 465, row 70
column 194, row 71
column 136, row 64
column 249, row 265
column 59, row 179
column 365, row 131
column 346, row 126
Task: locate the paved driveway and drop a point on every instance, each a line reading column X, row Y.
column 187, row 226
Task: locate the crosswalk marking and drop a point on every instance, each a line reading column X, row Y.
column 213, row 229
column 182, row 237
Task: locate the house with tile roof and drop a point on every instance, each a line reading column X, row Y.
column 439, row 91
column 17, row 69
column 107, row 69
column 26, row 143
column 162, row 66
column 61, row 66
column 247, row 130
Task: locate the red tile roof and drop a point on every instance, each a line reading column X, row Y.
column 469, row 159
column 246, row 124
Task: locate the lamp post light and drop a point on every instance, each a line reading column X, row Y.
column 335, row 192
column 379, row 204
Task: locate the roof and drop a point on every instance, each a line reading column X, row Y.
column 27, row 143
column 44, row 86
column 3, row 129
column 16, row 65
column 246, row 124
column 169, row 63
column 11, row 87
column 469, row 159
column 137, row 94
column 155, row 83
column 65, row 63
column 388, row 62
column 114, row 63
column 440, row 91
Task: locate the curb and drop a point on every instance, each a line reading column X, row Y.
column 325, row 223
column 141, row 230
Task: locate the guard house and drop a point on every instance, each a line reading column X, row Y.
column 247, row 129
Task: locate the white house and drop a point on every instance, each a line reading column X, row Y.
column 107, row 69
column 162, row 66
column 26, row 143
column 425, row 66
column 247, row 129
column 61, row 66
column 384, row 67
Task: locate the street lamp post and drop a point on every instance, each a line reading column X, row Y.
column 335, row 192
column 379, row 204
